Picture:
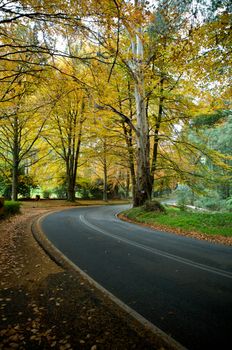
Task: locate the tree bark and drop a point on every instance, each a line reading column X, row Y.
column 71, row 154
column 70, row 188
column 105, row 172
column 127, row 192
column 15, row 165
column 156, row 133
column 143, row 189
column 128, row 133
column 128, row 138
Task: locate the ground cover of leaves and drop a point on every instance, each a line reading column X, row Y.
column 43, row 306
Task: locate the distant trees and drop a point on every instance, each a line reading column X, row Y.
column 214, row 186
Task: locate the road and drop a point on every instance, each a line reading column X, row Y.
column 182, row 285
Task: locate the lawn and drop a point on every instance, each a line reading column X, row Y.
column 209, row 223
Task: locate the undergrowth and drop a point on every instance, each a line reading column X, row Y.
column 209, row 223
column 10, row 208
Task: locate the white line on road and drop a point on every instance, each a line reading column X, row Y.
column 214, row 270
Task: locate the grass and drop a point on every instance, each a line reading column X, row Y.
column 208, row 223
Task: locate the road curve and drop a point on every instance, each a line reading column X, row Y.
column 180, row 284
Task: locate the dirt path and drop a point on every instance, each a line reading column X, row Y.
column 46, row 307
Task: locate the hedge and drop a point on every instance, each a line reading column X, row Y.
column 10, row 208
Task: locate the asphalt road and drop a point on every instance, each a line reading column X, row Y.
column 182, row 285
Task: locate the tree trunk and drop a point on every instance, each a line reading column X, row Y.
column 70, row 186
column 15, row 165
column 128, row 133
column 105, row 173
column 73, row 151
column 143, row 189
column 156, row 133
column 14, row 195
column 127, row 192
column 128, row 138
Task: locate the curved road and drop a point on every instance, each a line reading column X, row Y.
column 182, row 285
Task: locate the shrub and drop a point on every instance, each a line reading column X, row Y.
column 210, row 203
column 47, row 194
column 60, row 192
column 229, row 204
column 11, row 208
column 154, row 206
column 184, row 196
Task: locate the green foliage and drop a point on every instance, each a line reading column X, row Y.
column 211, row 200
column 184, row 196
column 228, row 204
column 88, row 189
column 214, row 202
column 207, row 120
column 209, row 223
column 5, row 187
column 47, row 194
column 154, row 206
column 25, row 184
column 215, row 181
column 10, row 208
column 60, row 191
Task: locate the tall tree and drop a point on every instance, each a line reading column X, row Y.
column 19, row 134
column 156, row 50
column 64, row 132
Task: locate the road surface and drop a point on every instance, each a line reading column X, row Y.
column 182, row 285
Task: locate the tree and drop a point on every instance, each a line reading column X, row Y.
column 161, row 67
column 64, row 133
column 215, row 133
column 20, row 131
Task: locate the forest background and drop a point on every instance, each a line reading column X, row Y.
column 116, row 99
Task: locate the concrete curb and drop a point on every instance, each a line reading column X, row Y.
column 162, row 340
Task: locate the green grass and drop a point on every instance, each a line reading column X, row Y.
column 209, row 223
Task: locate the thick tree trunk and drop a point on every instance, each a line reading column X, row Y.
column 143, row 190
column 70, row 186
column 15, row 176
